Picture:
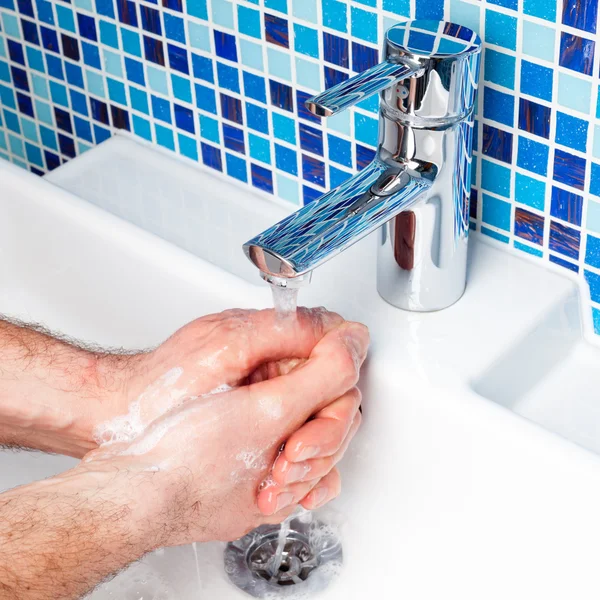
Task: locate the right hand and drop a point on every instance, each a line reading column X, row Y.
column 201, row 464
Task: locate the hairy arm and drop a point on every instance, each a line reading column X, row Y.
column 53, row 391
column 60, row 537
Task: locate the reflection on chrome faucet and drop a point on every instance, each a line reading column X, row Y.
column 416, row 189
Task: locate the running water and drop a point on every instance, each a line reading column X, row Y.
column 275, row 563
column 195, row 548
column 285, row 300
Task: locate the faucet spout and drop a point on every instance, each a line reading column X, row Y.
column 294, row 247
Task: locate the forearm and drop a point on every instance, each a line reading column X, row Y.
column 61, row 537
column 52, row 392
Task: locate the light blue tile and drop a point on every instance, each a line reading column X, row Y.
column 112, row 63
column 2, row 48
column 466, row 14
column 279, row 64
column 574, row 92
column 538, row 40
column 222, row 13
column 29, row 129
column 287, row 189
column 157, row 80
column 82, row 147
column 199, row 36
column 95, row 83
column 11, row 26
column 84, row 4
column 16, row 146
column 593, row 216
column 340, row 122
column 251, row 54
column 43, row 112
column 305, row 9
column 40, row 86
column 308, row 74
column 596, row 146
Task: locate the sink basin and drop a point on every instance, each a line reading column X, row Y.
column 446, row 492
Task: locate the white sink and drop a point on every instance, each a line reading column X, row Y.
column 446, row 493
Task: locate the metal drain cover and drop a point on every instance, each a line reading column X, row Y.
column 311, row 558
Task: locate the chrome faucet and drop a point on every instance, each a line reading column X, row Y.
column 416, row 189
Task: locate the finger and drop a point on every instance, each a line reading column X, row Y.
column 330, row 371
column 285, row 472
column 323, row 435
column 276, row 499
column 326, row 490
column 274, row 369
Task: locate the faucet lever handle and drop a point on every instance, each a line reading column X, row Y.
column 361, row 86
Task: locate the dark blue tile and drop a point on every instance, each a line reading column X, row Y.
column 592, row 251
column 281, row 95
column 497, row 143
column 91, row 56
column 569, row 169
column 150, row 19
column 63, row 120
column 74, row 75
column 261, row 178
column 254, row 87
column 529, row 226
column 99, row 111
column 536, row 80
column 276, row 30
column 70, row 47
column 310, row 194
column 127, row 12
column 30, row 32
column 49, row 39
column 567, row 206
column 15, row 51
column 311, row 139
column 52, row 160
column 231, row 109
column 534, row 117
column 161, row 109
column 19, row 77
column 364, row 156
column 211, row 156
column 66, row 145
column 36, row 171
column 571, row 132
column 581, row 14
column 225, row 45
column 233, row 138
column 336, row 50
column 286, row 159
column 173, row 5
column 178, row 59
column 154, row 51
column 25, row 105
column 576, row 53
column 257, row 118
column 333, row 76
column 533, row 156
column 313, row 170
column 83, row 129
column 561, row 262
column 363, row 57
column 202, row 67
column 184, row 118
column 303, row 112
column 120, row 117
column 87, row 27
column 473, row 203
column 135, row 71
column 564, row 240
column 100, row 134
column 26, row 8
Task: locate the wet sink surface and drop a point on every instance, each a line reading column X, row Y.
column 446, row 492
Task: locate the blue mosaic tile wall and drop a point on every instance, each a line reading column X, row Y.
column 223, row 82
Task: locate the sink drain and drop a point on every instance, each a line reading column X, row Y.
column 311, row 557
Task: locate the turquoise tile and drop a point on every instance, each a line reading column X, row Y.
column 164, row 137
column 199, row 36
column 251, row 54
column 305, row 10
column 188, row 146
column 108, row 34
column 249, row 21
column 335, row 15
column 280, row 5
column 500, row 29
column 574, row 92
column 65, row 18
column 495, row 178
column 260, row 148
column 116, row 91
column 528, row 249
column 543, row 9
column 157, row 80
column 306, row 40
column 112, row 63
column 3, row 144
column 596, row 319
column 530, row 191
column 35, row 59
column 593, row 216
column 16, row 146
column 538, row 40
column 287, row 189
column 366, row 129
column 222, row 13
column 279, row 64
column 400, row 7
column 131, row 42
column 284, row 128
column 58, row 93
column 209, row 129
column 364, row 24
column 496, row 212
column 95, row 83
column 2, row 48
column 308, row 74
column 499, row 68
column 29, row 129
column 182, row 89
column 494, row 234
column 43, row 112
